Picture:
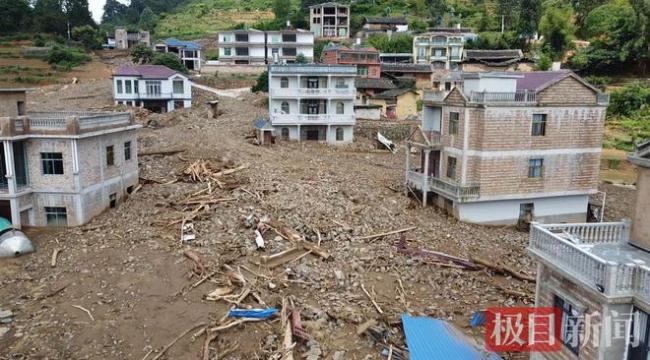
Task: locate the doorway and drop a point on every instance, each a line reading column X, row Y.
column 526, row 216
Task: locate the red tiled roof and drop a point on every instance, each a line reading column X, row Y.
column 534, row 80
column 145, row 71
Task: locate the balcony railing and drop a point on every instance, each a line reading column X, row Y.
column 435, row 96
column 521, row 96
column 312, row 118
column 460, row 193
column 573, row 248
column 295, row 92
column 313, row 69
column 64, row 122
column 145, row 96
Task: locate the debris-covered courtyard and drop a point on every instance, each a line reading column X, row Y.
column 342, row 246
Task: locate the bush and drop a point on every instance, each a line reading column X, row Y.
column 170, row 60
column 142, row 54
column 600, row 82
column 66, row 57
column 88, row 36
column 544, row 62
column 262, row 83
column 492, row 40
column 631, row 99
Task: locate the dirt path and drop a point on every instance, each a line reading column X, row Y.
column 231, row 93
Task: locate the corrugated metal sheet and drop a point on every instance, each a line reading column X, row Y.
column 433, row 339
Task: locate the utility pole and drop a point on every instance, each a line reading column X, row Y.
column 503, row 23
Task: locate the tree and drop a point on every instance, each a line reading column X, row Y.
column 582, row 8
column 543, row 63
column 14, row 15
column 170, row 60
column 147, row 19
column 142, row 54
column 262, row 83
column 393, row 44
column 642, row 9
column 87, row 36
column 78, row 13
column 530, row 12
column 437, row 9
column 282, row 9
column 301, row 59
column 49, row 17
column 558, row 30
column 114, row 12
column 508, row 9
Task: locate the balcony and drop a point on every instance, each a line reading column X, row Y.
column 520, row 96
column 438, row 57
column 309, row 119
column 597, row 255
column 151, row 96
column 460, row 193
column 313, row 92
column 64, row 122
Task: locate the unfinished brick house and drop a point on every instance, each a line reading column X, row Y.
column 598, row 275
column 62, row 168
column 509, row 147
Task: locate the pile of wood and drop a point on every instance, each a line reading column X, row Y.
column 204, row 171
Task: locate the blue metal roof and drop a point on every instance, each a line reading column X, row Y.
column 433, row 339
column 188, row 45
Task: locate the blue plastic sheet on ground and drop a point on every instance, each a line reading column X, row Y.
column 253, row 313
column 478, row 319
column 433, row 339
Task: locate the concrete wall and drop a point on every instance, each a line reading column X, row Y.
column 348, row 134
column 368, row 113
column 640, row 224
column 506, row 212
column 50, row 183
column 9, row 102
column 431, row 118
column 407, row 105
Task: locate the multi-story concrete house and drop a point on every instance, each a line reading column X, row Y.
column 62, row 168
column 126, row 40
column 154, row 87
column 510, row 146
column 265, row 47
column 312, row 102
column 598, row 276
column 365, row 58
column 330, row 20
column 188, row 51
column 441, row 47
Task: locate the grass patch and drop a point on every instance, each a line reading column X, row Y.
column 14, row 69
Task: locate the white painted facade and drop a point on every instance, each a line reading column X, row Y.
column 258, row 47
column 141, row 92
column 312, row 102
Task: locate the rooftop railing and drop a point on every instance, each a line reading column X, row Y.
column 64, row 122
column 313, row 69
column 519, row 96
column 569, row 247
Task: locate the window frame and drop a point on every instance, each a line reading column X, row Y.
column 340, row 108
column 127, row 150
column 569, row 311
column 227, row 51
column 643, row 349
column 288, row 107
column 284, row 133
column 453, row 122
column 284, row 82
column 128, row 87
column 451, row 170
column 175, row 82
column 339, row 134
column 110, row 155
column 538, row 125
column 118, row 84
column 55, row 161
column 54, row 216
column 536, row 168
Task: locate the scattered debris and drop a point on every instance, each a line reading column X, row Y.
column 387, row 143
column 198, row 267
column 435, row 257
column 90, row 315
column 503, row 269
column 253, row 313
column 55, row 254
column 296, row 326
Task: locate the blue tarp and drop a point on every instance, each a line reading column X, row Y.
column 433, row 339
column 188, row 45
column 253, row 313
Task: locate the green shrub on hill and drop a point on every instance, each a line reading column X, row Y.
column 66, row 58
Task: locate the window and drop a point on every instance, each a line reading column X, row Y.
column 289, row 37
column 312, row 83
column 339, row 134
column 539, row 125
column 112, row 200
column 289, row 51
column 241, row 37
column 119, row 86
column 284, row 83
column 110, row 156
column 535, row 168
column 136, row 88
column 56, row 216
column 340, row 108
column 227, row 38
column 52, row 163
column 285, row 133
column 284, row 107
column 362, row 70
column 275, row 51
column 453, row 123
column 227, row 51
column 241, row 51
column 127, row 151
column 178, row 86
column 340, row 84
column 447, row 86
column 640, row 336
column 127, row 86
column 20, row 108
column 153, row 87
column 451, row 167
column 570, row 324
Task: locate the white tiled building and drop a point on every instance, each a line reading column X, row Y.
column 260, row 47
column 154, row 87
column 312, row 102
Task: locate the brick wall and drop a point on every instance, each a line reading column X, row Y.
column 551, row 284
column 40, row 181
column 9, row 101
column 92, row 157
column 567, row 91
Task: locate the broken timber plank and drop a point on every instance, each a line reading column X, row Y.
column 283, row 257
column 503, row 269
column 387, row 233
column 161, row 152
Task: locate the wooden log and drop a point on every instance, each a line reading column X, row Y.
column 387, row 233
column 161, row 152
column 502, row 269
